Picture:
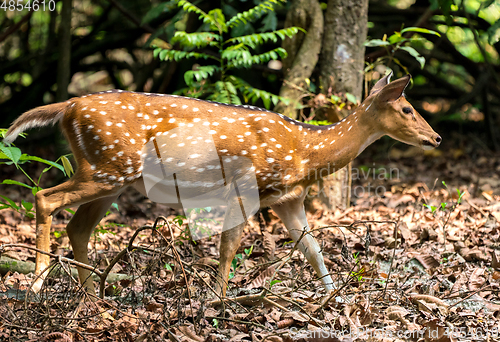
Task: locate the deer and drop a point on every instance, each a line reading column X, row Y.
column 108, row 133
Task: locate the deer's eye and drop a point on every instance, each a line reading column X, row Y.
column 407, row 110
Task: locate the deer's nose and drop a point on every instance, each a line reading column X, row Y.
column 438, row 139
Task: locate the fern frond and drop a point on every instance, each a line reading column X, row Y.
column 237, row 57
column 196, row 39
column 243, row 58
column 219, row 19
column 189, row 7
column 270, row 55
column 251, row 94
column 225, row 92
column 253, row 13
column 176, row 55
column 252, row 40
column 202, row 73
column 206, row 18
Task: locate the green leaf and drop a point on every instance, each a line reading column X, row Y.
column 320, row 123
column 415, row 54
column 376, row 42
column 266, row 99
column 270, row 22
column 420, row 30
column 177, row 55
column 41, row 160
column 202, row 73
column 396, row 38
column 14, row 182
column 275, row 281
column 351, row 98
column 11, row 202
column 255, row 39
column 189, row 7
column 12, row 153
column 27, row 205
column 68, row 168
column 196, row 39
column 35, row 189
column 494, row 33
column 230, row 87
column 218, row 19
column 248, row 251
column 253, row 13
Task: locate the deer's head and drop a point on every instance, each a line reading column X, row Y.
column 397, row 118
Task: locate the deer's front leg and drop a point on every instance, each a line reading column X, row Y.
column 294, row 217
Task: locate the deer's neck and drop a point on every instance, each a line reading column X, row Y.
column 330, row 148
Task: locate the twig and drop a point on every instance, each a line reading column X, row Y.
column 179, row 260
column 396, row 224
column 16, row 26
column 239, row 299
column 238, row 321
column 71, row 261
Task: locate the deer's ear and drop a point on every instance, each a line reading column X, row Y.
column 381, row 83
column 394, row 90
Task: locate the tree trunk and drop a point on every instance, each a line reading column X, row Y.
column 341, row 70
column 303, row 51
column 64, row 64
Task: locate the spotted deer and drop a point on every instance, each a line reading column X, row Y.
column 108, row 132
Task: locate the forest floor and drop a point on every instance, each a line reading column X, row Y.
column 405, row 271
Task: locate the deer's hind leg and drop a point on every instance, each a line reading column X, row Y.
column 74, row 192
column 80, row 229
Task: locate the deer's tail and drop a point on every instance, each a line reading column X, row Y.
column 37, row 117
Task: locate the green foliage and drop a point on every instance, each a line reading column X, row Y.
column 494, row 33
column 444, row 205
column 254, row 13
column 357, row 274
column 214, row 81
column 11, row 155
column 397, row 42
column 238, row 260
column 319, row 122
